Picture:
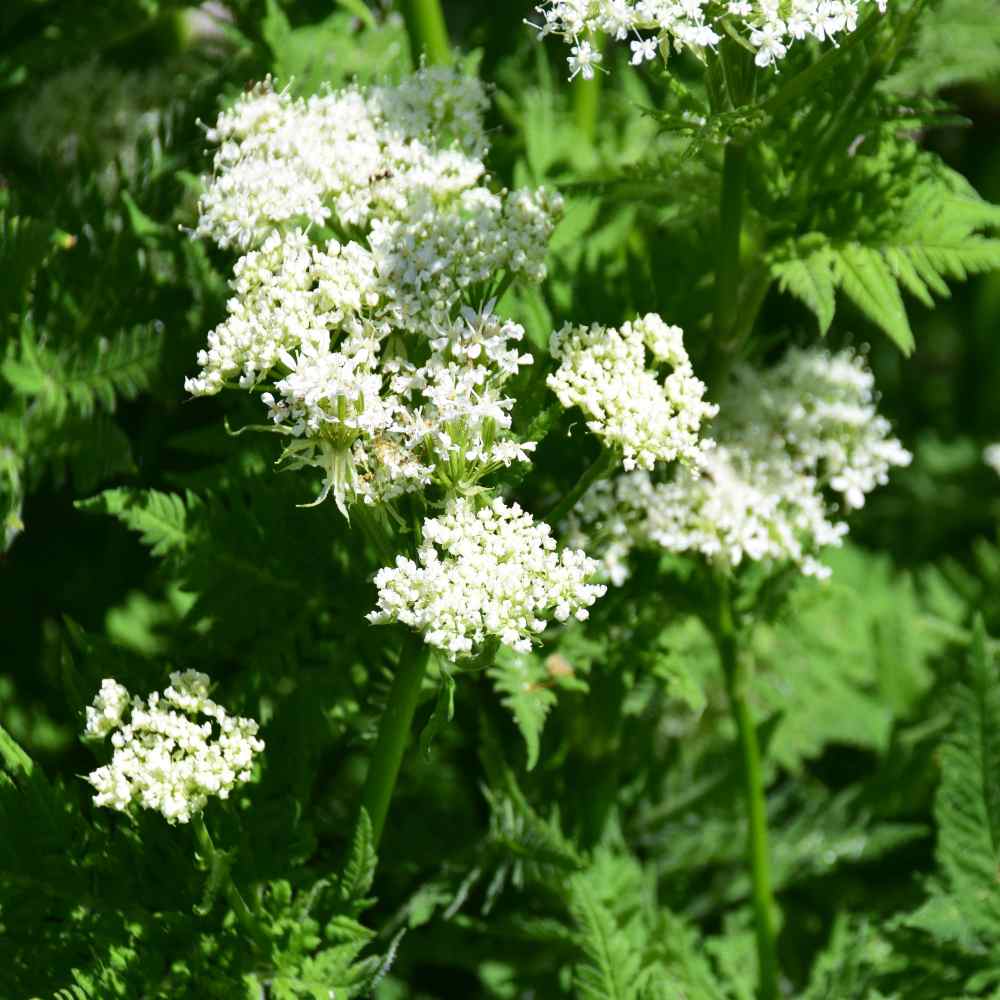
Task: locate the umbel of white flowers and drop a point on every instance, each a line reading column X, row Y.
column 379, row 351
column 649, row 419
column 651, row 26
column 172, row 751
column 788, row 441
column 481, row 574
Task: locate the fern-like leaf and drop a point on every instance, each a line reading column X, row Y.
column 159, row 518
column 957, row 42
column 121, row 365
column 968, row 803
column 359, row 872
column 523, row 683
column 940, row 234
column 613, row 966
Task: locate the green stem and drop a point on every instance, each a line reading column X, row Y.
column 394, row 731
column 734, row 668
column 232, row 893
column 587, row 98
column 727, row 276
column 598, row 469
column 427, row 30
column 733, row 85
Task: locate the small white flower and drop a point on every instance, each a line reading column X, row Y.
column 768, row 26
column 582, row 59
column 643, row 49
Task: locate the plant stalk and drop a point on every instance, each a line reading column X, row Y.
column 427, row 30
column 734, row 668
column 587, row 98
column 727, row 277
column 598, row 469
column 233, row 895
column 394, row 731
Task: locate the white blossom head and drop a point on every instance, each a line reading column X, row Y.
column 991, row 457
column 379, row 356
column 652, row 26
column 173, row 752
column 611, row 374
column 482, row 574
column 789, row 440
column 342, row 158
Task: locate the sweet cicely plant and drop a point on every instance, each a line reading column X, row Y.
column 501, row 627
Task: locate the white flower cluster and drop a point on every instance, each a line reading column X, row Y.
column 346, row 157
column 787, row 439
column 769, row 26
column 991, row 457
column 482, row 574
column 604, row 372
column 165, row 758
column 355, row 340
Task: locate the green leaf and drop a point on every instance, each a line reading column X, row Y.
column 14, row 758
column 143, row 226
column 359, row 871
column 525, row 686
column 444, row 712
column 957, row 42
column 120, row 365
column 613, row 966
column 930, row 227
column 811, row 279
column 967, row 807
column 24, row 245
column 359, row 9
column 159, row 518
column 868, row 281
column 332, row 51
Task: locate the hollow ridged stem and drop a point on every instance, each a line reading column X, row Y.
column 428, row 32
column 394, row 731
column 734, row 668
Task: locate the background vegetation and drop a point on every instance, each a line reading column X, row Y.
column 577, row 828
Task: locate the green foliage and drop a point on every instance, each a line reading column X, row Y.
column 159, row 518
column 567, row 822
column 937, row 232
column 121, row 367
column 963, row 909
column 957, row 42
column 329, row 51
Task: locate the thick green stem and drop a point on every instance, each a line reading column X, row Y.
column 733, row 85
column 727, row 276
column 598, row 469
column 737, row 679
column 427, row 30
column 233, row 895
column 394, row 731
column 587, row 98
